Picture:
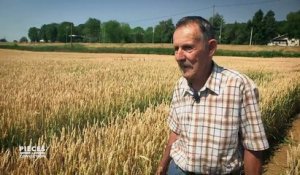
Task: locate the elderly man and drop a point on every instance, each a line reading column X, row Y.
column 215, row 121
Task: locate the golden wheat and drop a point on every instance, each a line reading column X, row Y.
column 293, row 158
column 63, row 99
column 53, row 90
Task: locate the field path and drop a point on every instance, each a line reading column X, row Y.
column 278, row 162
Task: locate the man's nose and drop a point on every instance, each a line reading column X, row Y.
column 180, row 54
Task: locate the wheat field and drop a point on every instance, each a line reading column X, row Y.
column 170, row 45
column 106, row 113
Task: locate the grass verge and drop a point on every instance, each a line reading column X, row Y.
column 142, row 50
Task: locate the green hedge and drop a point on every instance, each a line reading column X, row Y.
column 143, row 50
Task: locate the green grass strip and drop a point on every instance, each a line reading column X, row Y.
column 142, row 50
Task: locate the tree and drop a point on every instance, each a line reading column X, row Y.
column 91, row 30
column 48, row 32
column 242, row 34
column 270, row 30
column 3, row 40
column 258, row 27
column 138, row 34
column 51, row 32
column 163, row 32
column 43, row 33
column 236, row 33
column 126, row 33
column 281, row 27
column 34, row 34
column 23, row 39
column 112, row 31
column 218, row 23
column 79, row 32
column 264, row 27
column 293, row 24
column 230, row 33
column 64, row 29
column 148, row 37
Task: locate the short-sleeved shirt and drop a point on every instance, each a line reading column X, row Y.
column 214, row 130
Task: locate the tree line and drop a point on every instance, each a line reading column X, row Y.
column 261, row 29
column 93, row 31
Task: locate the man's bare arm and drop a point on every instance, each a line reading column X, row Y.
column 252, row 162
column 164, row 163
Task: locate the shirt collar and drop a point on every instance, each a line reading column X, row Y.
column 213, row 82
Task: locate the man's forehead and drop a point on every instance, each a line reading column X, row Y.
column 188, row 31
column 189, row 25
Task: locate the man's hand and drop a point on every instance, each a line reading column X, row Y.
column 161, row 170
column 164, row 163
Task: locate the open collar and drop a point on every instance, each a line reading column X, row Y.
column 213, row 82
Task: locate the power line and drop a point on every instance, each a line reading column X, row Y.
column 171, row 15
column 247, row 3
column 205, row 8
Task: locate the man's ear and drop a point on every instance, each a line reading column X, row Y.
column 212, row 45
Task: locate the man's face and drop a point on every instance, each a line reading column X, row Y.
column 191, row 51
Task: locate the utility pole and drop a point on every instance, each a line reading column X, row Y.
column 213, row 15
column 66, row 34
column 152, row 35
column 71, row 35
column 250, row 43
column 99, row 31
column 103, row 35
column 220, row 36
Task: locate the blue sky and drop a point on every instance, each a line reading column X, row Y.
column 17, row 16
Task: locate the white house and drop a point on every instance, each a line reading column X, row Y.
column 283, row 40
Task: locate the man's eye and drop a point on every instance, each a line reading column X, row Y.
column 188, row 48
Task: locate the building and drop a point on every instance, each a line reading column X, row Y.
column 283, row 40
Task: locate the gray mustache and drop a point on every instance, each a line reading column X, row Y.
column 184, row 64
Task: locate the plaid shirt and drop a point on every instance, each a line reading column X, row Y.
column 214, row 130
